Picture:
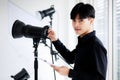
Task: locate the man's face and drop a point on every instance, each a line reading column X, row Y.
column 82, row 26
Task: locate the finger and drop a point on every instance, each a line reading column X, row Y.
column 55, row 67
column 49, row 30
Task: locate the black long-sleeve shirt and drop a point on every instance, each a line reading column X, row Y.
column 89, row 56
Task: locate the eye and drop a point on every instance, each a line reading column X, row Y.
column 73, row 20
column 80, row 20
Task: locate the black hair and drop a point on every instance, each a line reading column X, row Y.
column 83, row 10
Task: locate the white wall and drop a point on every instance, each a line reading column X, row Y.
column 16, row 54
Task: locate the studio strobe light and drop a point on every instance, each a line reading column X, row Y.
column 22, row 75
column 48, row 12
column 19, row 29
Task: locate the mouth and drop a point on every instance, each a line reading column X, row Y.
column 77, row 29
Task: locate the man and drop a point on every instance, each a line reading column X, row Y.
column 89, row 56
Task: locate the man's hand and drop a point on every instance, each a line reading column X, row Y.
column 51, row 35
column 63, row 70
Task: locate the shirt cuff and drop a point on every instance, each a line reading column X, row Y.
column 55, row 42
column 71, row 73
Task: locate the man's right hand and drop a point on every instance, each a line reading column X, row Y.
column 51, row 35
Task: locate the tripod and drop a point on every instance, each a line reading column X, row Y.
column 35, row 45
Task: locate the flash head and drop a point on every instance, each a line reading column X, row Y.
column 22, row 75
column 19, row 29
column 47, row 12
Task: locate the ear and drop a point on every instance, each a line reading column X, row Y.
column 91, row 20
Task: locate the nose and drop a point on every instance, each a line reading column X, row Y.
column 76, row 24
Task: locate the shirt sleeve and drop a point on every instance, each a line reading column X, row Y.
column 100, row 56
column 71, row 73
column 66, row 54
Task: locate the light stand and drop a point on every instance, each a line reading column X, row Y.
column 51, row 48
column 35, row 45
column 49, row 12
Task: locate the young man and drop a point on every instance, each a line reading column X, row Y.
column 89, row 56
